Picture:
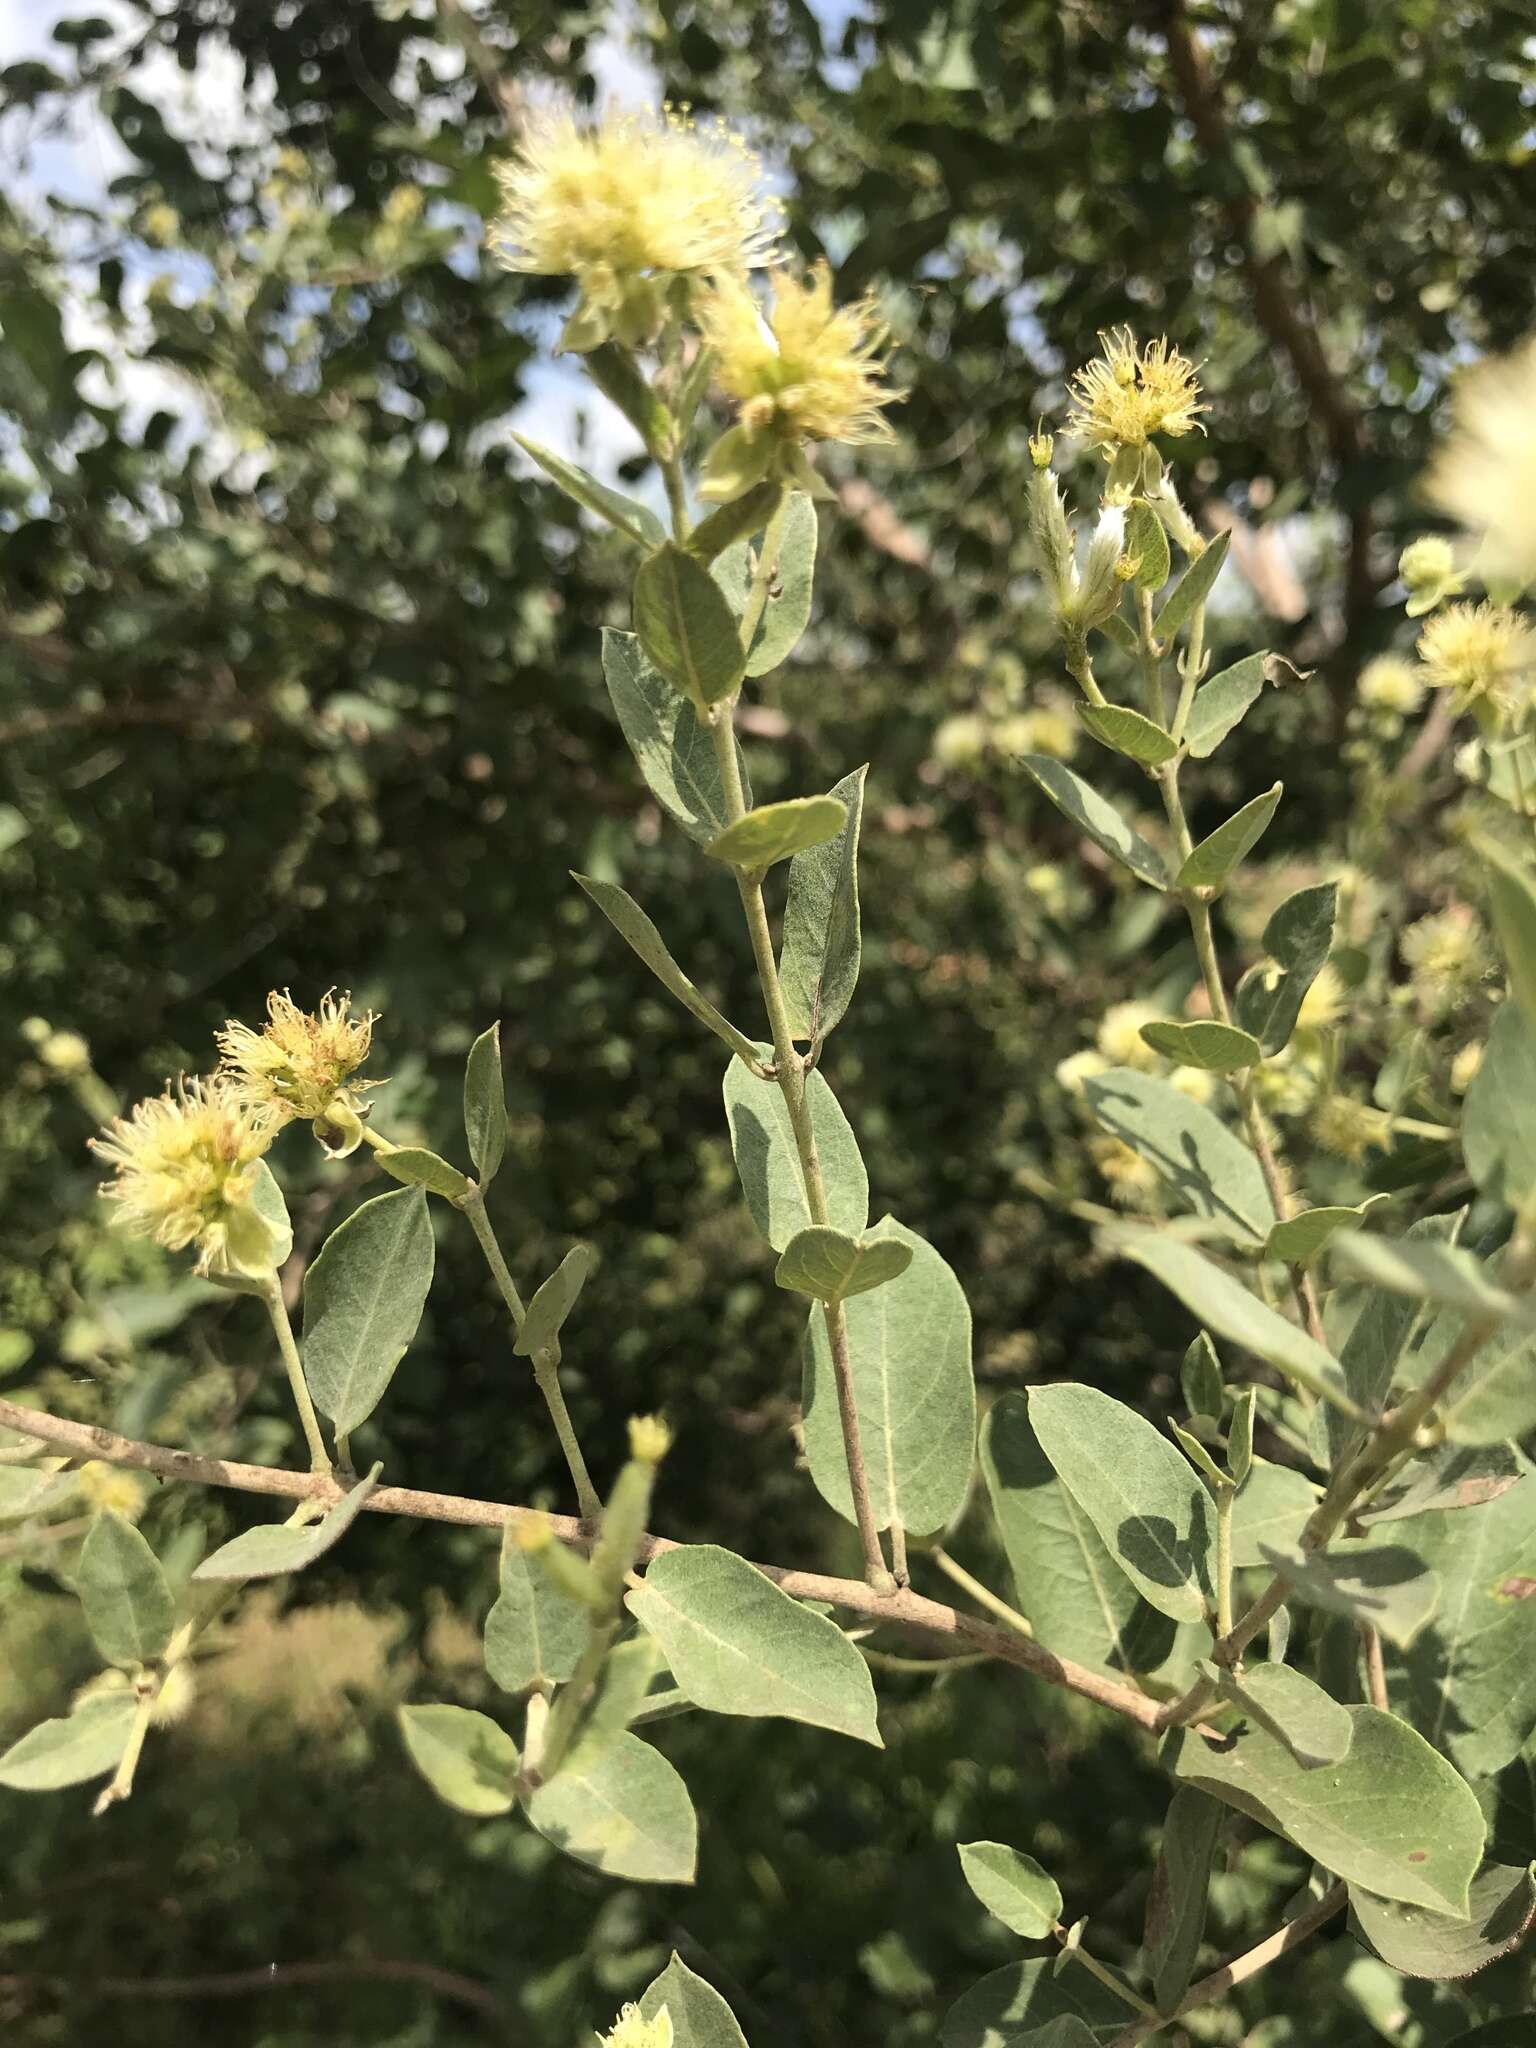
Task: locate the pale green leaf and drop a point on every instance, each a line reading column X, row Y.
column 1192, row 588
column 1288, row 1705
column 1208, row 1167
column 1449, row 1477
column 1221, row 704
column 828, row 1265
column 1146, row 543
column 1014, row 2006
column 552, row 1302
column 1426, row 1271
column 1217, row 1048
column 266, row 1552
column 1094, row 815
column 700, row 2016
column 1154, row 1516
column 1372, row 1356
column 734, row 522
column 485, row 1105
column 686, row 627
column 1240, row 1437
column 910, row 1345
column 788, row 610
column 619, row 1805
column 1128, row 732
column 266, row 1198
column 470, row 1762
column 1176, row 1904
column 129, row 1607
column 1498, row 1126
column 1301, row 1237
column 1297, row 939
column 1441, row 1947
column 819, row 958
column 533, row 1633
column 774, row 831
column 1012, row 1887
column 26, row 1492
column 363, row 1300
column 72, row 1750
column 763, row 1141
column 1392, row 1815
column 1273, row 1506
column 637, row 931
column 674, row 749
column 1200, row 1379
column 637, row 521
column 1385, row 1584
column 737, row 1645
column 1066, row 1583
column 1213, row 860
column 419, row 1168
column 1495, row 1400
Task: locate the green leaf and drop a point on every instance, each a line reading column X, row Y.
column 788, row 610
column 1310, row 1722
column 1441, row 1947
column 1512, row 900
column 485, row 1105
column 1217, row 1048
column 1273, row 1506
column 1213, row 860
column 1392, row 1815
column 1176, row 1904
column 469, row 1761
column 1200, row 1379
column 763, row 1141
column 1470, row 1682
column 686, row 627
column 637, row 932
column 534, row 1635
column 1496, row 1401
column 1146, row 541
column 129, row 1607
column 552, row 1303
column 1240, row 1437
column 1426, row 1270
column 1128, row 732
column 267, row 1552
column 675, row 751
column 1066, row 1583
column 737, row 1645
column 910, row 1345
column 1498, row 1126
column 1152, row 1513
column 363, row 1299
column 635, row 520
column 700, row 2016
column 619, row 1805
column 1384, row 1584
column 26, row 1492
column 1221, row 704
column 1297, row 939
column 1301, row 1237
column 1373, row 1353
column 1014, row 2007
column 1192, row 588
column 1224, row 1305
column 266, row 1199
column 734, row 522
column 774, row 831
column 830, row 1266
column 72, row 1750
column 1208, row 1166
column 1012, row 1887
column 1450, row 1476
column 820, row 955
column 419, row 1168
column 1093, row 815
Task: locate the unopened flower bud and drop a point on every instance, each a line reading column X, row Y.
column 1041, row 448
column 649, row 1439
column 1098, row 596
column 1428, row 567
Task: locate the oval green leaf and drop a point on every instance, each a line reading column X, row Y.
column 268, row 1552
column 485, row 1105
column 820, row 956
column 1012, row 1887
column 129, row 1607
column 686, row 626
column 774, row 831
column 1094, row 815
column 470, row 1762
column 619, row 1805
column 1128, row 732
column 638, row 933
column 1217, row 1048
column 363, row 1300
column 763, row 1142
column 1213, row 860
column 830, row 1266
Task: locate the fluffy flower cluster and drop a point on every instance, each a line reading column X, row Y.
column 631, row 2031
column 185, row 1172
column 1484, row 652
column 301, row 1061
column 1390, row 682
column 1447, row 957
column 1485, row 475
column 1128, row 393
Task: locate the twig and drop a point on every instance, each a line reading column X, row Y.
column 276, row 1977
column 905, row 1609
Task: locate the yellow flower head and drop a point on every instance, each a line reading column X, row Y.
column 1198, row 1083
column 649, row 1439
column 176, row 1697
column 630, row 195
column 185, row 1169
column 1446, row 954
column 1045, row 730
column 1132, row 1182
column 1120, row 1038
column 104, row 1487
column 1078, row 1068
column 1349, row 1128
column 631, row 2031
column 1128, row 394
column 1481, row 651
column 811, row 371
column 301, row 1062
column 1429, row 568
column 1390, row 683
column 1485, row 476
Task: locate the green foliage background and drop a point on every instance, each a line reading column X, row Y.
column 299, row 685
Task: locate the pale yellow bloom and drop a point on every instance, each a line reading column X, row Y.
column 1044, row 730
column 174, row 1701
column 1323, row 1004
column 961, row 741
column 301, row 1061
column 1080, row 1067
column 1464, row 1068
column 1349, row 1128
column 1127, row 394
column 1198, row 1083
column 1132, row 1182
column 631, row 194
column 631, row 2031
column 1447, row 955
column 105, row 1487
column 1390, row 683
column 1482, row 652
column 649, row 1439
column 809, row 371
column 1120, row 1039
column 185, row 1170
column 1429, row 568
column 1485, row 475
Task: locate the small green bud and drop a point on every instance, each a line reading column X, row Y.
column 740, row 458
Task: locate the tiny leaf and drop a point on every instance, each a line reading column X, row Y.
column 1217, row 1048
column 1128, row 732
column 830, row 1266
column 485, row 1105
column 637, row 931
column 267, row 1552
column 774, row 831
column 552, row 1303
column 1213, row 860
column 819, row 959
column 637, row 521
column 1012, row 1887
column 1221, row 704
